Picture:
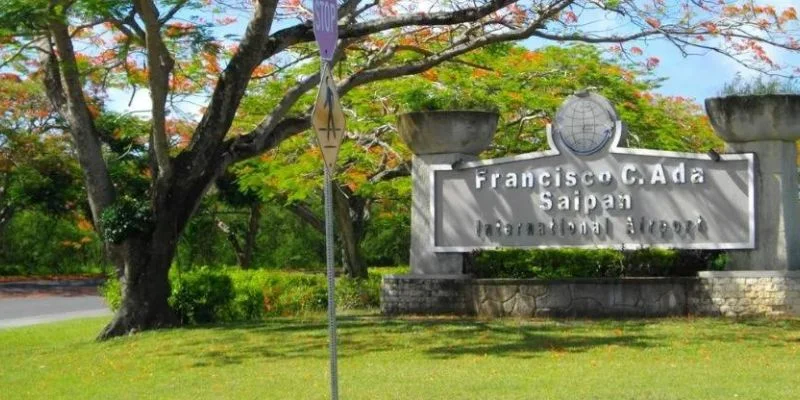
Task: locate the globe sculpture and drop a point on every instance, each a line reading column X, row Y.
column 585, row 123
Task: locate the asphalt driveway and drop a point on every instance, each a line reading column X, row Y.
column 37, row 302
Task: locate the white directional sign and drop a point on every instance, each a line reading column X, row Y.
column 328, row 119
column 326, row 29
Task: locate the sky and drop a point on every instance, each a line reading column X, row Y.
column 696, row 76
column 700, row 77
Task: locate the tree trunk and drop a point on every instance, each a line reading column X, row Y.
column 234, row 241
column 252, row 234
column 348, row 224
column 145, row 288
column 143, row 262
column 6, row 212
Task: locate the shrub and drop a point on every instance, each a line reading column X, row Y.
column 358, row 293
column 248, row 296
column 287, row 293
column 111, row 290
column 125, row 218
column 581, row 263
column 742, row 86
column 201, row 296
column 547, row 264
column 231, row 294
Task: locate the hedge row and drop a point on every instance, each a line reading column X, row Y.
column 209, row 295
column 593, row 263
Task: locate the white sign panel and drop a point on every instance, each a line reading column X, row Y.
column 589, row 192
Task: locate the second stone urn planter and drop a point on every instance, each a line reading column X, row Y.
column 768, row 126
column 755, row 117
column 447, row 132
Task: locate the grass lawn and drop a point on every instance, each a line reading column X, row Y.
column 410, row 358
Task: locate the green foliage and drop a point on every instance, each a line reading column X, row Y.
column 44, row 178
column 387, row 239
column 200, row 296
column 22, row 16
column 283, row 241
column 37, row 243
column 248, row 295
column 125, row 218
column 231, row 294
column 436, row 98
column 111, row 290
column 759, row 85
column 548, row 264
column 593, row 263
column 359, row 293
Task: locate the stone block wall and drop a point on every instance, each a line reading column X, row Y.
column 746, row 293
column 734, row 294
column 579, row 297
column 410, row 294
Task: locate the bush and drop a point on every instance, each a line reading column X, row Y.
column 547, row 264
column 580, row 263
column 358, row 293
column 111, row 290
column 248, row 296
column 287, row 293
column 232, row 294
column 201, row 296
column 126, row 217
column 35, row 243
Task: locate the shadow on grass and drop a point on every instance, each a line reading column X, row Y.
column 445, row 338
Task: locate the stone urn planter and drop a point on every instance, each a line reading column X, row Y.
column 447, row 132
column 739, row 119
column 439, row 138
column 768, row 126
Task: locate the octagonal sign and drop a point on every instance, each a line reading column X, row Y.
column 326, row 30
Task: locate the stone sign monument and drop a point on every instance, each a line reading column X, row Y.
column 587, row 191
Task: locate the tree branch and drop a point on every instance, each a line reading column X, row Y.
column 230, row 88
column 426, row 52
column 65, row 90
column 171, row 13
column 160, row 64
column 308, row 216
column 372, row 75
column 302, row 33
column 272, row 130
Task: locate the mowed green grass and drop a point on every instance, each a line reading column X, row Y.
column 410, row 358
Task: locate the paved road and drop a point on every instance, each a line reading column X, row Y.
column 33, row 303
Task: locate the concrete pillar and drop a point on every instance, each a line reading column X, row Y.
column 423, row 260
column 436, row 138
column 768, row 126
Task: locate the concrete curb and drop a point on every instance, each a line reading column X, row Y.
column 51, row 284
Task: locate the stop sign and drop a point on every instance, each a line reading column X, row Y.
column 326, row 29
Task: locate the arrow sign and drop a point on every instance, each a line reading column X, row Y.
column 326, row 28
column 328, row 119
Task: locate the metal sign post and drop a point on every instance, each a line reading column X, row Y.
column 331, row 283
column 328, row 122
